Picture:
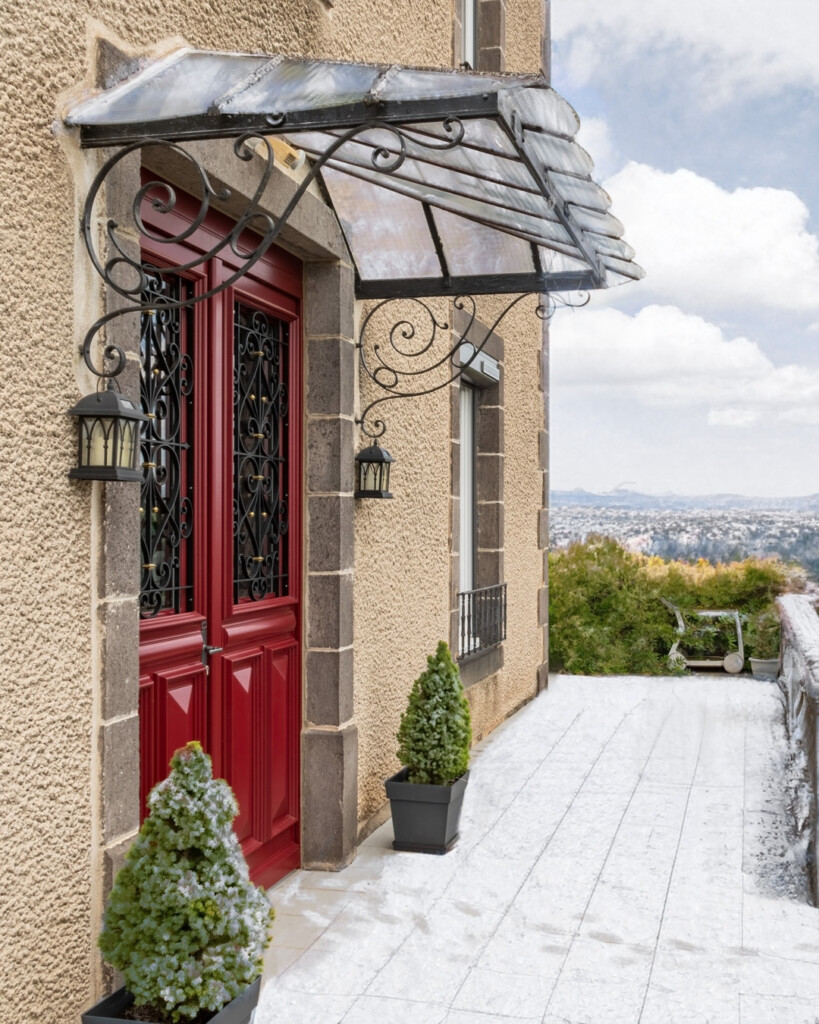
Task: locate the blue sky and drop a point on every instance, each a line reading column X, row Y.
column 703, row 121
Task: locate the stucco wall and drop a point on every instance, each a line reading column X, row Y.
column 50, row 836
column 401, row 573
column 523, row 650
column 402, row 556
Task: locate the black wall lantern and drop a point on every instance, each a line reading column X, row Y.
column 108, row 444
column 374, row 472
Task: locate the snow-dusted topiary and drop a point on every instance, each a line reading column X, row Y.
column 436, row 731
column 184, row 923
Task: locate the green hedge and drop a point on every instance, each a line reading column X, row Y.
column 605, row 612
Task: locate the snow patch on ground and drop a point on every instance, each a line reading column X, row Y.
column 776, row 837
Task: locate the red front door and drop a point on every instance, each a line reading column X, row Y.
column 220, row 528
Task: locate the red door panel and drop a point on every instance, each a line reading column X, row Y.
column 243, row 709
column 172, row 711
column 221, row 536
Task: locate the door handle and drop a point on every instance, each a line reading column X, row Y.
column 207, row 649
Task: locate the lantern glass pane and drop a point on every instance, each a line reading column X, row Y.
column 98, row 446
column 368, row 478
column 125, row 447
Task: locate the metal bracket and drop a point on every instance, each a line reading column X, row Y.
column 414, row 348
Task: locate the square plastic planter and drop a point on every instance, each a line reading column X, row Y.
column 238, row 1010
column 425, row 818
column 765, row 668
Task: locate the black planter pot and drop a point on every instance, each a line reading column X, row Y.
column 237, row 1011
column 425, row 818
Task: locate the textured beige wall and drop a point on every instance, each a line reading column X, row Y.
column 523, row 27
column 401, row 571
column 402, row 557
column 493, row 700
column 49, row 833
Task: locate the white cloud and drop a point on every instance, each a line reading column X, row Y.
column 595, row 137
column 747, row 48
column 705, row 247
column 664, row 357
column 733, row 417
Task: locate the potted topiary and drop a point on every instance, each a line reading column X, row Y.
column 426, row 796
column 184, row 924
column 762, row 641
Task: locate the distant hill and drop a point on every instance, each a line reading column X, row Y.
column 636, row 500
column 719, row 527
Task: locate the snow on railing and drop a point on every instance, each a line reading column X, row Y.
column 800, row 679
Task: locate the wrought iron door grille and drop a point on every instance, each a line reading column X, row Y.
column 166, row 509
column 260, row 469
column 483, row 619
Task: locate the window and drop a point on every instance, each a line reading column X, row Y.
column 467, row 455
column 479, row 614
column 468, row 32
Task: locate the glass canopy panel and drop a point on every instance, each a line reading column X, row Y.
column 542, row 108
column 303, row 85
column 472, row 248
column 581, row 192
column 185, row 84
column 600, row 223
column 558, row 263
column 530, row 226
column 624, row 267
column 480, row 133
column 613, row 279
column 413, row 84
column 387, row 233
column 558, row 154
column 611, row 246
column 358, row 159
column 459, row 158
column 488, row 192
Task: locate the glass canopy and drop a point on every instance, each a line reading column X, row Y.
column 444, row 182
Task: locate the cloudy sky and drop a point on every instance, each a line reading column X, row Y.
column 703, row 121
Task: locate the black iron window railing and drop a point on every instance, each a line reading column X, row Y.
column 483, row 619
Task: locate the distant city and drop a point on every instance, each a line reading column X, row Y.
column 719, row 527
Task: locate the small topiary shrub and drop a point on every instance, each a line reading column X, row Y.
column 184, row 924
column 436, row 731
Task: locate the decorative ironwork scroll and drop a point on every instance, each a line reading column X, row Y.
column 260, row 470
column 166, row 504
column 396, row 365
column 130, row 277
column 399, row 359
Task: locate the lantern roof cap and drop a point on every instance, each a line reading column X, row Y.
column 375, row 453
column 107, row 403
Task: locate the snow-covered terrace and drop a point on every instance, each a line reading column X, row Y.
column 627, row 854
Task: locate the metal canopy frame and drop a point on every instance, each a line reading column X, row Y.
column 465, row 177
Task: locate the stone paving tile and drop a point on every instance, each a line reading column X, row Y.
column 298, row 930
column 486, row 990
column 689, row 987
column 615, row 866
column 519, row 946
column 278, row 1004
column 780, row 928
column 602, row 982
column 383, row 1010
column 617, row 914
column 479, row 1017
